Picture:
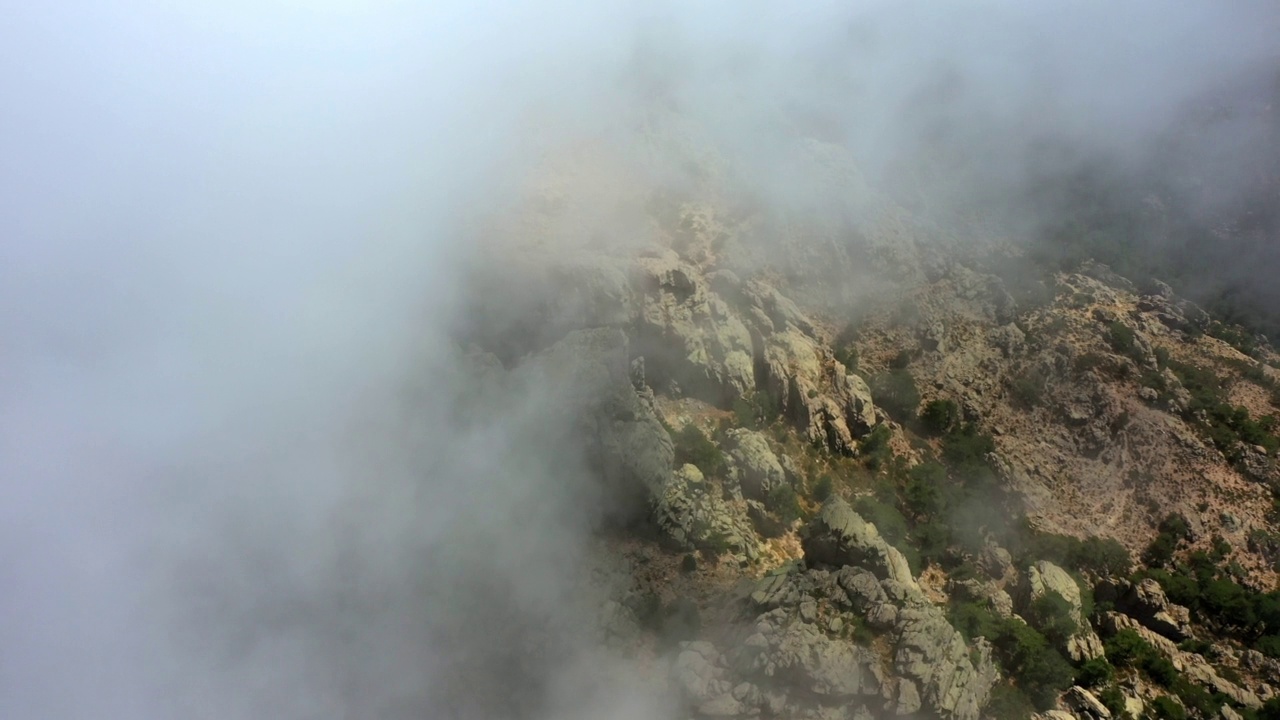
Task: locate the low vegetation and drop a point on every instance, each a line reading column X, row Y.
column 896, row 392
column 693, row 447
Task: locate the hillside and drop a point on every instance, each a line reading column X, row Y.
column 881, row 472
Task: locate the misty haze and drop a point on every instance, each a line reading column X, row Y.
column 641, row 361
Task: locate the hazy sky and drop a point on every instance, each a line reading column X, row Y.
column 227, row 228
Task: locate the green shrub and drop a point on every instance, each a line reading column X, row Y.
column 823, row 488
column 1160, row 669
column 1160, row 552
column 1196, row 698
column 783, row 502
column 848, row 356
column 925, row 489
column 1111, row 697
column 939, row 416
column 1105, row 556
column 891, row 524
column 1008, row 702
column 693, row 447
column 965, row 451
column 1088, row 361
column 756, row 410
column 1166, row 708
column 1268, row 645
column 874, row 448
column 1095, row 673
column 1128, row 648
column 1039, row 671
column 1053, row 616
column 896, row 392
column 1121, row 338
column 901, row 360
column 1028, row 389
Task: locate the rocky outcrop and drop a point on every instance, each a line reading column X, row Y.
column 1174, row 313
column 838, row 536
column 1146, row 602
column 694, row 514
column 1085, row 704
column 753, row 464
column 1044, row 577
column 590, row 374
column 816, row 392
column 932, row 665
column 689, row 335
column 802, row 651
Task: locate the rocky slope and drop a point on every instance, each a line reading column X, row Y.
column 839, row 503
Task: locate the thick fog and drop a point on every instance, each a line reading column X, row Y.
column 245, row 472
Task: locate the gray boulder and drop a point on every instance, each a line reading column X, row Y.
column 1146, row 602
column 1085, row 704
column 1044, row 577
column 694, row 514
column 589, row 373
column 688, row 333
column 753, row 463
column 838, row 536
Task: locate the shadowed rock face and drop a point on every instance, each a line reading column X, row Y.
column 702, row 332
column 794, row 655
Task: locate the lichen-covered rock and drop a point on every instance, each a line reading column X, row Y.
column 1044, row 577
column 688, row 333
column 946, row 674
column 1086, row 704
column 838, row 536
column 693, row 514
column 1146, row 602
column 932, row 653
column 815, row 391
column 753, row 463
column 589, row 373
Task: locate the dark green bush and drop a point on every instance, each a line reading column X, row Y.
column 1039, row 670
column 925, row 489
column 1095, row 673
column 848, row 356
column 1268, row 645
column 783, row 502
column 756, row 410
column 901, row 360
column 1088, row 361
column 693, row 447
column 1028, row 389
column 1121, row 338
column 874, row 448
column 1166, row 708
column 965, row 451
column 1008, row 702
column 1111, row 697
column 1104, row 556
column 939, row 416
column 823, row 488
column 1128, row 648
column 1053, row 616
column 891, row 524
column 896, row 392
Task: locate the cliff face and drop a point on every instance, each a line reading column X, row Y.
column 870, row 471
